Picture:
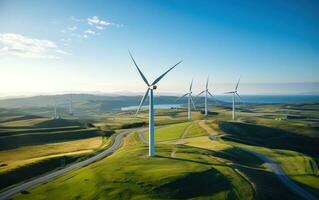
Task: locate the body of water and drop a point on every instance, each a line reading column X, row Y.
column 160, row 106
column 272, row 98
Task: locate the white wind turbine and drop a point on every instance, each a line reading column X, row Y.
column 55, row 109
column 149, row 92
column 206, row 95
column 190, row 101
column 235, row 92
column 71, row 104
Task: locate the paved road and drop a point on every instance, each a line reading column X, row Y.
column 275, row 168
column 24, row 186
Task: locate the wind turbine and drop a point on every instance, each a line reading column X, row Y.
column 206, row 95
column 190, row 100
column 55, row 110
column 70, row 105
column 149, row 92
column 235, row 92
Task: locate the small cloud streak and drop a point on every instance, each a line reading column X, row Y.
column 26, row 47
column 89, row 31
column 72, row 28
column 100, row 27
column 101, row 24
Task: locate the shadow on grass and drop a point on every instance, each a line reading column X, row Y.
column 46, row 137
column 264, row 136
column 232, row 154
column 192, row 185
column 268, row 186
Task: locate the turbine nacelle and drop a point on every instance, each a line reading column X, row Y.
column 152, row 87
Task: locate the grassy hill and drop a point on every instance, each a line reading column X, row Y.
column 188, row 163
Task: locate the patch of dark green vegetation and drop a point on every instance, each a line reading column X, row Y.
column 58, row 123
column 268, row 185
column 7, row 131
column 25, row 117
column 29, row 171
column 259, row 135
column 192, row 185
column 133, row 125
column 209, row 113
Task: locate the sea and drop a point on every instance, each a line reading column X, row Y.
column 262, row 99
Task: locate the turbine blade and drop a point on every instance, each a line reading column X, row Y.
column 237, row 84
column 193, row 102
column 210, row 93
column 142, row 75
column 207, row 82
column 239, row 97
column 181, row 97
column 160, row 77
column 191, row 86
column 200, row 93
column 142, row 101
column 229, row 92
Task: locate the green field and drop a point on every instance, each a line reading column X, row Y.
column 130, row 174
column 170, row 132
column 33, row 145
column 188, row 164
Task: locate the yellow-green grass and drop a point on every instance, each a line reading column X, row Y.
column 170, row 132
column 195, row 130
column 19, row 157
column 27, row 122
column 45, row 137
column 227, row 153
column 130, row 174
column 163, row 117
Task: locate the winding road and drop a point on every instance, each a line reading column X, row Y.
column 276, row 169
column 24, row 186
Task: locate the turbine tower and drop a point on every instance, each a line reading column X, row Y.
column 235, row 92
column 55, row 110
column 70, row 105
column 206, row 95
column 190, row 101
column 149, row 92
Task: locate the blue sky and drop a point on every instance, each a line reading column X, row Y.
column 56, row 46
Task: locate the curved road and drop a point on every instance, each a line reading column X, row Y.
column 24, row 186
column 276, row 169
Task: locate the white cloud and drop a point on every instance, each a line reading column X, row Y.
column 72, row 28
column 85, row 36
column 99, row 23
column 89, row 31
column 96, row 21
column 21, row 46
column 100, row 27
column 62, row 52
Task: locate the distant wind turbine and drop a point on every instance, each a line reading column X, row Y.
column 149, row 92
column 206, row 95
column 70, row 105
column 235, row 92
column 190, row 101
column 55, row 110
